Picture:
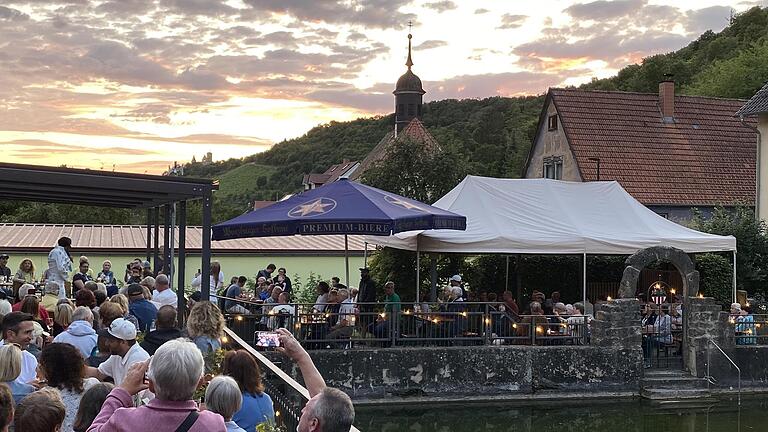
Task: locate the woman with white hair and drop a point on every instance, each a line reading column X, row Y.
column 223, row 397
column 174, row 373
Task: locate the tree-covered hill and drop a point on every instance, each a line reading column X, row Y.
column 492, row 136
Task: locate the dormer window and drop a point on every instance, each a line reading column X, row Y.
column 552, row 122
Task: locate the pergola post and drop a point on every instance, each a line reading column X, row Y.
column 433, row 277
column 205, row 270
column 166, row 239
column 156, row 245
column 149, row 234
column 181, row 268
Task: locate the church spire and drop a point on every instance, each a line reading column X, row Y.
column 409, row 62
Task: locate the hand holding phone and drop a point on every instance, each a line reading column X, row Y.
column 267, row 339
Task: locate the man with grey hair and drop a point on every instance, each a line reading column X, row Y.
column 173, row 373
column 80, row 332
column 328, row 409
column 163, row 295
column 346, row 324
column 224, row 398
column 50, row 297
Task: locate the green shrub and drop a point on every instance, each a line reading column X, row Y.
column 716, row 277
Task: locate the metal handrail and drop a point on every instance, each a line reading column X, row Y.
column 287, row 379
column 738, row 369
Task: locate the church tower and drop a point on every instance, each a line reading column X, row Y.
column 408, row 95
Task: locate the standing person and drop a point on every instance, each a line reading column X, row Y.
column 17, row 328
column 205, row 326
column 62, row 366
column 455, row 281
column 90, row 405
column 366, row 294
column 121, row 344
column 5, row 271
column 166, row 330
column 80, row 333
column 217, row 281
column 223, row 397
column 144, row 311
column 257, row 406
column 163, row 295
column 41, row 411
column 283, row 281
column 60, row 264
column 10, row 369
column 267, row 272
column 173, row 374
column 328, row 409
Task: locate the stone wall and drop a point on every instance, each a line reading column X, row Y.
column 457, row 372
column 706, row 320
column 613, row 362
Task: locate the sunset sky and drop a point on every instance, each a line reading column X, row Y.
column 133, row 85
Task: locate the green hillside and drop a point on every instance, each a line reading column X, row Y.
column 492, row 136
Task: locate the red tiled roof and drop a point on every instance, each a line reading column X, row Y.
column 415, row 131
column 261, row 204
column 132, row 239
column 706, row 157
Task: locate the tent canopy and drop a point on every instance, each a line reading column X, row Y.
column 542, row 216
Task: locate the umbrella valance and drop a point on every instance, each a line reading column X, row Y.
column 341, row 207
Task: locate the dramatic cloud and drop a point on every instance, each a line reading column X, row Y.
column 430, row 44
column 441, row 6
column 509, row 21
column 371, row 13
column 138, row 81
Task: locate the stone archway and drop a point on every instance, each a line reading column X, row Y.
column 682, row 262
column 637, row 262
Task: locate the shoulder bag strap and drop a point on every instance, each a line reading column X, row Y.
column 188, row 422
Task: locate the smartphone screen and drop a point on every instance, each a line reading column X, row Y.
column 267, row 339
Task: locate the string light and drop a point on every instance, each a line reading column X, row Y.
column 239, row 318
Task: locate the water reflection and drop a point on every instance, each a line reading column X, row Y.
column 640, row 416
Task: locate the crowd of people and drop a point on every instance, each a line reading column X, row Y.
column 95, row 360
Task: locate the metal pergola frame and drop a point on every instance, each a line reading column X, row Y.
column 124, row 190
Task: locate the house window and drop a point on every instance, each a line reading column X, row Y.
column 553, row 167
column 552, row 122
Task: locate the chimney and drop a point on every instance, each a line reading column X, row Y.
column 667, row 99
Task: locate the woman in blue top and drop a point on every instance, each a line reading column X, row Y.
column 205, row 327
column 10, row 369
column 257, row 406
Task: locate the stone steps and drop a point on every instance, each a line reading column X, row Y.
column 674, row 386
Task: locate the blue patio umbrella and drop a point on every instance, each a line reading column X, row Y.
column 342, row 207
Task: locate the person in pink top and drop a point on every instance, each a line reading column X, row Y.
column 173, row 375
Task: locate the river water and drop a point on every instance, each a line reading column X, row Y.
column 637, row 416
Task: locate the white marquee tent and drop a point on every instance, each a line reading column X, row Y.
column 541, row 216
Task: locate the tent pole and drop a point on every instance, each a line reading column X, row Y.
column 506, row 278
column 418, row 272
column 365, row 255
column 346, row 258
column 734, row 276
column 584, row 279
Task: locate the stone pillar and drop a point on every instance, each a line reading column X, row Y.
column 617, row 325
column 706, row 320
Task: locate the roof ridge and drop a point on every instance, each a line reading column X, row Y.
column 569, row 89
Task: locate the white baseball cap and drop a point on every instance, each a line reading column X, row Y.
column 736, row 306
column 456, row 278
column 122, row 329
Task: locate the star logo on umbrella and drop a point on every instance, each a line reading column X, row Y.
column 403, row 203
column 313, row 208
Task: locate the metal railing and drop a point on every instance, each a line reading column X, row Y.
column 750, row 329
column 375, row 324
column 288, row 396
column 710, row 379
